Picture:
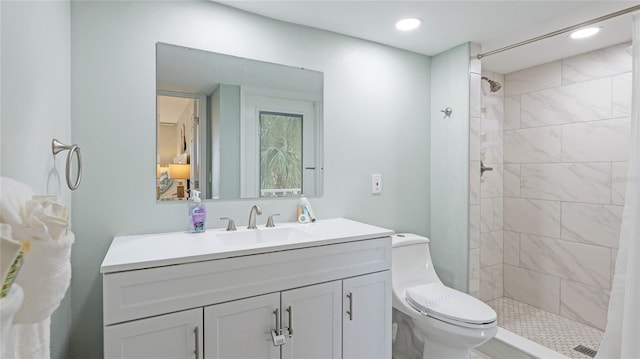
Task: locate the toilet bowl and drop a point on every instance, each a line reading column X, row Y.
column 449, row 322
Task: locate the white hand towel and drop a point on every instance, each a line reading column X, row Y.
column 9, row 305
column 12, row 205
column 32, row 341
column 45, row 278
column 45, row 218
column 46, row 272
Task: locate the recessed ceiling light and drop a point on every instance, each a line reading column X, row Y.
column 582, row 33
column 408, row 24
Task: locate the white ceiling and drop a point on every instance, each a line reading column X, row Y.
column 492, row 24
column 171, row 108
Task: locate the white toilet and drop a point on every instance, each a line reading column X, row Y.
column 449, row 322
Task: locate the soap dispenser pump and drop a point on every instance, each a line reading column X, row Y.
column 197, row 213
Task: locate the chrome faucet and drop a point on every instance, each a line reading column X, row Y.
column 255, row 210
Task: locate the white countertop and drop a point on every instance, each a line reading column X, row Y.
column 154, row 250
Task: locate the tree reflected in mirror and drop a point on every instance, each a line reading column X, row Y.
column 280, row 154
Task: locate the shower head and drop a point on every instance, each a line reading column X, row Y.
column 494, row 86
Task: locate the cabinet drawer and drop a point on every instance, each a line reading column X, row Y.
column 170, row 336
column 148, row 292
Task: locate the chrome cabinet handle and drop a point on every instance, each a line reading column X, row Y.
column 350, row 311
column 275, row 312
column 277, row 338
column 196, row 331
column 290, row 311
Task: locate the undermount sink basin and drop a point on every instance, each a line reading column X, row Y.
column 262, row 235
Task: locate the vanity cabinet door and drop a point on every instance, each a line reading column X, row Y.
column 313, row 316
column 171, row 336
column 241, row 328
column 367, row 316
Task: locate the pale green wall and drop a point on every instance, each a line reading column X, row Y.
column 376, row 115
column 229, row 140
column 35, row 91
column 36, row 107
column 450, row 165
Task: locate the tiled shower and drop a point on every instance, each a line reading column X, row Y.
column 557, row 138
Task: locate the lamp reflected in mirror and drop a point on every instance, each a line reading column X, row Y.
column 181, row 173
column 160, row 170
column 172, row 181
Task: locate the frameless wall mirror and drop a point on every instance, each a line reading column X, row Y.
column 234, row 128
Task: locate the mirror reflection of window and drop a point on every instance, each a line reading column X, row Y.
column 280, row 154
column 291, row 109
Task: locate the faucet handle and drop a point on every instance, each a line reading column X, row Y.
column 270, row 220
column 231, row 226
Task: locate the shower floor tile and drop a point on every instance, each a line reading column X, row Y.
column 547, row 329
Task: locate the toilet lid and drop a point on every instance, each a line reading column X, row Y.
column 450, row 305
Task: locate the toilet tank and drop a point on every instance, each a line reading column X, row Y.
column 411, row 263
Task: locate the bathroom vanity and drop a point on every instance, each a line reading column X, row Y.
column 320, row 290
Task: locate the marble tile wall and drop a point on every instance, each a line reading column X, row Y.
column 565, row 144
column 492, row 187
column 475, row 220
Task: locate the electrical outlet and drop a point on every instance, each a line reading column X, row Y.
column 376, row 183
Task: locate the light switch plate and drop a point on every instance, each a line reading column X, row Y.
column 376, row 183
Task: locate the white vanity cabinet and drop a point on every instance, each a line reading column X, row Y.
column 309, row 318
column 240, row 328
column 329, row 297
column 367, row 316
column 314, row 314
column 170, row 336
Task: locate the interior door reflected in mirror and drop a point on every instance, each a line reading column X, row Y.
column 235, row 128
column 177, row 145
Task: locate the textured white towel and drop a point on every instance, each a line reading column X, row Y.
column 12, row 205
column 32, row 341
column 46, row 272
column 9, row 305
column 46, row 218
column 44, row 277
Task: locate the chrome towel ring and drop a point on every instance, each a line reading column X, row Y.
column 57, row 146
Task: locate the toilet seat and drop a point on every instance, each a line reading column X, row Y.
column 451, row 306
